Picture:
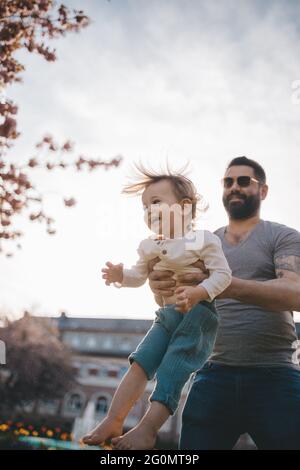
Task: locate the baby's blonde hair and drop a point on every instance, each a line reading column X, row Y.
column 182, row 186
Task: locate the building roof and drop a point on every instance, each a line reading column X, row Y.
column 109, row 325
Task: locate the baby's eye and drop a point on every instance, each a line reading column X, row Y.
column 156, row 201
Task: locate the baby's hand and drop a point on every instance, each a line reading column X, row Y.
column 188, row 296
column 113, row 273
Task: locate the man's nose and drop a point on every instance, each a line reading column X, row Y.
column 235, row 186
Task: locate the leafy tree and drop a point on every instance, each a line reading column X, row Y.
column 29, row 25
column 38, row 364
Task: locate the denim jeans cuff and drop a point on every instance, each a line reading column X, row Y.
column 167, row 400
column 136, row 358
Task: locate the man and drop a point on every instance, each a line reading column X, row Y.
column 252, row 380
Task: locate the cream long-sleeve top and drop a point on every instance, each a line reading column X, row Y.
column 177, row 255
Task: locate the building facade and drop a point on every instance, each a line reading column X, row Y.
column 100, row 349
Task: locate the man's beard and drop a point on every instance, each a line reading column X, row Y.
column 243, row 209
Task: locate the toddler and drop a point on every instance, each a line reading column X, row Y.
column 182, row 336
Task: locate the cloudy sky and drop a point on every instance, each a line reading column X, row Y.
column 196, row 80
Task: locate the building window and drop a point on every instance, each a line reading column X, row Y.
column 106, row 342
column 91, row 342
column 112, row 373
column 101, row 406
column 125, row 344
column 27, row 406
column 73, row 404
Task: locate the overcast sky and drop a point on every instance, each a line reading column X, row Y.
column 195, row 80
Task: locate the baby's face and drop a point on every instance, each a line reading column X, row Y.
column 157, row 200
column 159, row 193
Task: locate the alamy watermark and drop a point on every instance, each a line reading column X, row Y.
column 296, row 353
column 174, row 221
column 2, row 352
column 295, row 97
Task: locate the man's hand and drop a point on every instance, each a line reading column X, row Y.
column 193, row 279
column 187, row 297
column 113, row 273
column 162, row 282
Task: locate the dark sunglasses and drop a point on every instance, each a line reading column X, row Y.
column 242, row 181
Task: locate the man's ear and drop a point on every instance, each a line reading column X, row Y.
column 264, row 191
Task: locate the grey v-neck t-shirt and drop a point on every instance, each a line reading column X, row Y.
column 249, row 335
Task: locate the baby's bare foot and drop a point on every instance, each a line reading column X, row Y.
column 139, row 438
column 107, row 429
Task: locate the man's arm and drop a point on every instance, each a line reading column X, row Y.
column 277, row 295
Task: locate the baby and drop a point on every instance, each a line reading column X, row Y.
column 182, row 336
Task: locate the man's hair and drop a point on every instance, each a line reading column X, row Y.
column 182, row 187
column 259, row 172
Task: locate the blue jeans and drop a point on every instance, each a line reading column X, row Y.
column 176, row 346
column 225, row 402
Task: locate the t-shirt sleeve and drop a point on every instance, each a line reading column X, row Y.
column 286, row 242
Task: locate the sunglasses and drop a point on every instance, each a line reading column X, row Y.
column 242, row 181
